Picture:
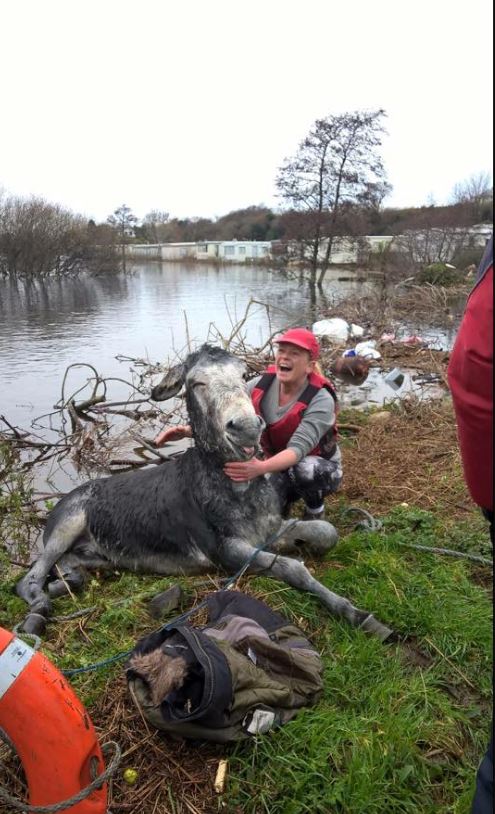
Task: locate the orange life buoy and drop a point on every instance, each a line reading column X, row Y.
column 49, row 727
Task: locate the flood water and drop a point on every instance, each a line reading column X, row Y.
column 151, row 314
column 46, row 327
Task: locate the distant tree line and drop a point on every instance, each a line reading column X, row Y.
column 39, row 239
column 262, row 223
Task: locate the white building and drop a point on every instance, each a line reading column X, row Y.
column 352, row 250
column 241, row 250
column 229, row 251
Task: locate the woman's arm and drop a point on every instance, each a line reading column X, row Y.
column 173, row 434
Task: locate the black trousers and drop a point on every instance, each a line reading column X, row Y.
column 311, row 479
column 483, row 796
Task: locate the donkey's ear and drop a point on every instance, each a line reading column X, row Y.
column 170, row 385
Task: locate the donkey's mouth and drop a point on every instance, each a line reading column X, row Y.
column 242, row 453
column 249, row 451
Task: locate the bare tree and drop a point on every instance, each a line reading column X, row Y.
column 123, row 221
column 154, row 222
column 336, row 165
column 431, row 244
column 443, row 234
column 476, row 191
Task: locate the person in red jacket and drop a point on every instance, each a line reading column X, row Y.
column 299, row 407
column 470, row 377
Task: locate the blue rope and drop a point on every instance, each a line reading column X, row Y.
column 184, row 616
column 97, row 665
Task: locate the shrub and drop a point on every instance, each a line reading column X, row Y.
column 440, row 274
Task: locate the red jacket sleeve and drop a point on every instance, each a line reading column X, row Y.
column 471, row 382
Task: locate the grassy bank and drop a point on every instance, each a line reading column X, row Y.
column 400, row 727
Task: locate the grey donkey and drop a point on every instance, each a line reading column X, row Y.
column 185, row 516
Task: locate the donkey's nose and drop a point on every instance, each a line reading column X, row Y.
column 235, row 424
column 244, row 425
column 261, row 422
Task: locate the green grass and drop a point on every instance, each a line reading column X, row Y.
column 400, row 727
column 390, row 735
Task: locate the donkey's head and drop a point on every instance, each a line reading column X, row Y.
column 220, row 410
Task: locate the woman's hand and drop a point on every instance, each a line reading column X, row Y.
column 173, row 434
column 240, row 471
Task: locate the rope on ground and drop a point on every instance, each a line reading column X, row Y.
column 97, row 783
column 75, row 615
column 450, row 552
column 371, row 523
column 23, row 635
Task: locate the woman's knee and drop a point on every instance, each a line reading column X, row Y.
column 318, row 473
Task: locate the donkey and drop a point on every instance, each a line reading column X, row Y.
column 185, row 516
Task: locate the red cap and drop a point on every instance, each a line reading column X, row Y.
column 303, row 339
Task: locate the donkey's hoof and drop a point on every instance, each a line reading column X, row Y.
column 372, row 625
column 57, row 588
column 166, row 601
column 34, row 623
column 72, row 582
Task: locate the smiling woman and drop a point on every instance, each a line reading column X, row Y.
column 298, row 408
column 298, row 405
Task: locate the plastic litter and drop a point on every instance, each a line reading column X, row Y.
column 335, row 329
column 395, row 379
column 356, row 332
column 368, row 343
column 370, row 353
column 413, row 340
column 367, row 349
column 387, row 337
column 350, row 352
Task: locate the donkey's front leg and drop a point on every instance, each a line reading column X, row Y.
column 235, row 552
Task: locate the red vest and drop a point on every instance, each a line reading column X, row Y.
column 471, row 383
column 276, row 436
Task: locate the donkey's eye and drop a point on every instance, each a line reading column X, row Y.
column 199, row 384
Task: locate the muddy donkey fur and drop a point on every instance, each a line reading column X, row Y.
column 185, row 516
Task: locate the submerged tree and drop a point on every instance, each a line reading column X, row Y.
column 39, row 239
column 336, row 166
column 123, row 220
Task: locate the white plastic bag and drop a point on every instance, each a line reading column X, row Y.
column 335, row 329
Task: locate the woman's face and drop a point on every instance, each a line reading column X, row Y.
column 293, row 363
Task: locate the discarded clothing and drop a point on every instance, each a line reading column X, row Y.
column 245, row 672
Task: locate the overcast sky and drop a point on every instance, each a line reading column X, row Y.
column 190, row 106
